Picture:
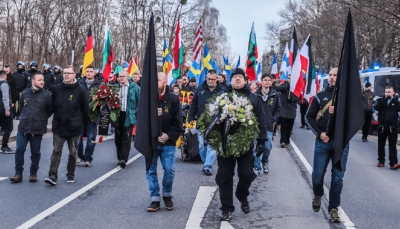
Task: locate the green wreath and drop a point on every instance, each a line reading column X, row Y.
column 106, row 94
column 233, row 107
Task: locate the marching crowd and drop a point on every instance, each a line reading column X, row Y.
column 32, row 97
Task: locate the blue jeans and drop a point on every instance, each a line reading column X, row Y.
column 89, row 145
column 323, row 153
column 266, row 152
column 167, row 158
column 22, row 142
column 207, row 154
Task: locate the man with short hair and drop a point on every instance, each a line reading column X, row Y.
column 207, row 89
column 129, row 97
column 388, row 109
column 70, row 106
column 36, row 107
column 171, row 127
column 245, row 162
column 136, row 77
column 87, row 82
column 5, row 112
column 272, row 106
column 324, row 149
column 368, row 99
column 192, row 85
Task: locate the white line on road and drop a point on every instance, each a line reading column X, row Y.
column 73, row 196
column 3, row 178
column 203, row 199
column 343, row 216
column 226, row 225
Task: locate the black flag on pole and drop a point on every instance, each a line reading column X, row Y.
column 147, row 127
column 348, row 116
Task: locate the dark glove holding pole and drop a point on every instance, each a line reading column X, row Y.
column 260, row 147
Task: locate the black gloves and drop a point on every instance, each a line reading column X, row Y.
column 260, row 147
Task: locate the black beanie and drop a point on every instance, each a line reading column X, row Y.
column 238, row 71
column 368, row 84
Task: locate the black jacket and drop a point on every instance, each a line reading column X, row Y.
column 317, row 104
column 200, row 99
column 171, row 119
column 36, row 107
column 272, row 107
column 96, row 84
column 288, row 104
column 58, row 78
column 13, row 87
column 368, row 99
column 70, row 107
column 19, row 80
column 387, row 114
column 256, row 102
column 48, row 80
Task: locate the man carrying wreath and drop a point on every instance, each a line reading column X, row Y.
column 245, row 162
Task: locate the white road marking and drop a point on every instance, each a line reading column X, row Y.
column 73, row 196
column 203, row 199
column 3, row 178
column 343, row 216
column 226, row 225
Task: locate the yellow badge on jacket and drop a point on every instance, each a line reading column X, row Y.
column 166, row 109
column 70, row 97
column 25, row 102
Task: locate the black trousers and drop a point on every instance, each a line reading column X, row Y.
column 367, row 123
column 286, row 129
column 390, row 133
column 224, row 178
column 303, row 111
column 123, row 138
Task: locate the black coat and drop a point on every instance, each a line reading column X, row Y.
column 36, row 107
column 13, row 87
column 272, row 107
column 96, row 84
column 200, row 99
column 256, row 102
column 388, row 114
column 171, row 119
column 19, row 80
column 288, row 104
column 70, row 107
column 58, row 78
column 48, row 80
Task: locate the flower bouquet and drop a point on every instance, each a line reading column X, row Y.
column 229, row 124
column 106, row 95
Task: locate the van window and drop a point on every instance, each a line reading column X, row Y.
column 386, row 80
column 324, row 83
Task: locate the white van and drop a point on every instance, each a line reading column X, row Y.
column 323, row 81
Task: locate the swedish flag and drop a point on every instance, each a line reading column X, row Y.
column 206, row 60
column 215, row 66
column 167, row 59
column 194, row 71
column 227, row 69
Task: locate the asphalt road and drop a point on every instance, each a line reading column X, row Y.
column 280, row 199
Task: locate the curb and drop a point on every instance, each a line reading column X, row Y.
column 13, row 138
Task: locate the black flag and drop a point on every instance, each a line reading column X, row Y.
column 348, row 116
column 310, row 67
column 147, row 127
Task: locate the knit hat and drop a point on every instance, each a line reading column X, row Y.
column 368, row 84
column 238, row 71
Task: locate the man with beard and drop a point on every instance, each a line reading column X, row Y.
column 48, row 77
column 207, row 89
column 36, row 107
column 226, row 166
column 70, row 107
column 88, row 82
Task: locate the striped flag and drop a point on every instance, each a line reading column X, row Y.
column 238, row 63
column 89, row 54
column 198, row 41
column 294, row 48
column 178, row 52
column 259, row 72
column 285, row 67
column 108, row 54
column 132, row 67
column 300, row 69
column 252, row 56
column 99, row 139
column 274, row 69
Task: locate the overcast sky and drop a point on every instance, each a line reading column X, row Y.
column 238, row 15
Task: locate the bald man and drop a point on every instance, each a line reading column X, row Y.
column 172, row 127
column 317, row 119
column 129, row 97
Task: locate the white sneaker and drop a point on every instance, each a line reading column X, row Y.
column 78, row 161
column 87, row 164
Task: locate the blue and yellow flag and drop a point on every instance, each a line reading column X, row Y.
column 167, row 62
column 215, row 66
column 125, row 65
column 228, row 70
column 194, row 71
column 206, row 61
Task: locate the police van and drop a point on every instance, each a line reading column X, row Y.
column 323, row 81
column 379, row 79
